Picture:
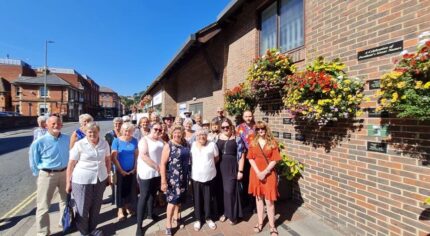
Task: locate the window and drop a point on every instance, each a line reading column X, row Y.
column 17, row 109
column 43, row 108
column 17, row 91
column 43, row 92
column 196, row 108
column 282, row 26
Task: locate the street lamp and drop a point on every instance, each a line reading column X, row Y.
column 46, row 76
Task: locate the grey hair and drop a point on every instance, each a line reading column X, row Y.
column 127, row 126
column 202, row 131
column 85, row 117
column 92, row 126
column 117, row 119
column 198, row 115
column 186, row 121
column 40, row 119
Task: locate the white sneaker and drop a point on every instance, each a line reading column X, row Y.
column 211, row 224
column 197, row 225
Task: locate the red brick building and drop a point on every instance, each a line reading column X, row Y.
column 109, row 102
column 357, row 190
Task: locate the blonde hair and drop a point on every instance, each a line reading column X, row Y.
column 92, row 126
column 85, row 117
column 268, row 136
column 127, row 126
column 180, row 128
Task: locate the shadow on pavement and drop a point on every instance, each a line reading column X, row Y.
column 14, row 143
column 12, row 221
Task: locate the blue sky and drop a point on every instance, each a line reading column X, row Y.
column 122, row 44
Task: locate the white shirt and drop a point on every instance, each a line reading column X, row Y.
column 203, row 162
column 154, row 149
column 91, row 161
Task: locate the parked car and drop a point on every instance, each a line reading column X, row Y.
column 9, row 113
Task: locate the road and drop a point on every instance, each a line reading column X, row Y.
column 17, row 184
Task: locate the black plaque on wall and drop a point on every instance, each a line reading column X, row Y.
column 264, row 107
column 372, row 113
column 381, row 50
column 374, row 84
column 286, row 135
column 275, row 134
column 265, row 119
column 276, row 107
column 287, row 121
column 377, row 147
column 300, row 137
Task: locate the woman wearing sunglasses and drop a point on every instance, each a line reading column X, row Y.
column 148, row 171
column 232, row 160
column 263, row 154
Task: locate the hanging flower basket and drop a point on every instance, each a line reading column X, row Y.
column 239, row 99
column 266, row 75
column 323, row 92
column 145, row 100
column 406, row 90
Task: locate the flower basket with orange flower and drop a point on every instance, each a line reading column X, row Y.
column 406, row 90
column 266, row 75
column 239, row 99
column 323, row 92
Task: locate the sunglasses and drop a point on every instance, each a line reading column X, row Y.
column 258, row 129
column 225, row 127
column 157, row 130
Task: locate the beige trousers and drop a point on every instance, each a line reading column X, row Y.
column 47, row 183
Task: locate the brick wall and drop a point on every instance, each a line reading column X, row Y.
column 358, row 191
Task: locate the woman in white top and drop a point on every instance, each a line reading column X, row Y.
column 204, row 155
column 148, row 171
column 87, row 175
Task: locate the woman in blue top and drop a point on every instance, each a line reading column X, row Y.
column 79, row 134
column 124, row 156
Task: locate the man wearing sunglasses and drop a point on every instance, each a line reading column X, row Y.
column 246, row 131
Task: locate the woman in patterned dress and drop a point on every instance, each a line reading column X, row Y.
column 174, row 169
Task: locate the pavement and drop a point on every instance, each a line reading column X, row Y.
column 291, row 220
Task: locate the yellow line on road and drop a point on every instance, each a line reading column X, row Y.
column 18, row 208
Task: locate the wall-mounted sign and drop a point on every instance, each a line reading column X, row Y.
column 182, row 109
column 276, row 107
column 377, row 147
column 371, row 112
column 374, row 84
column 381, row 50
column 287, row 121
column 300, row 137
column 286, row 135
column 265, row 119
column 377, row 130
column 157, row 99
column 275, row 134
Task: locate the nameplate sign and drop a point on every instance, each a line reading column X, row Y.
column 372, row 113
column 374, row 84
column 287, row 121
column 265, row 119
column 377, row 147
column 275, row 134
column 377, row 130
column 381, row 50
column 276, row 107
column 286, row 135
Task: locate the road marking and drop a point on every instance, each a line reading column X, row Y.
column 18, row 208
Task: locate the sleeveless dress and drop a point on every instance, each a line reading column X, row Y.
column 178, row 167
column 79, row 134
column 228, row 168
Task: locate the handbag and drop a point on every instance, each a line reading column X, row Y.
column 68, row 218
column 267, row 161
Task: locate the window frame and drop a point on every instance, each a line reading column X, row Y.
column 265, row 5
column 40, row 92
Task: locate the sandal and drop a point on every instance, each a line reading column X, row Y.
column 168, row 231
column 273, row 231
column 258, row 228
column 177, row 223
column 222, row 218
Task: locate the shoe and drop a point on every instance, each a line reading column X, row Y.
column 211, row 224
column 273, row 231
column 168, row 231
column 131, row 212
column 197, row 226
column 258, row 228
column 232, row 222
column 222, row 218
column 121, row 215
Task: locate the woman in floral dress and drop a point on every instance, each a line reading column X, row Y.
column 174, row 169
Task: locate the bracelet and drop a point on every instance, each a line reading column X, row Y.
column 241, row 171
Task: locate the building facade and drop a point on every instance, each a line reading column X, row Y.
column 109, row 103
column 352, row 187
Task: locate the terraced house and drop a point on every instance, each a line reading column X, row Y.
column 362, row 180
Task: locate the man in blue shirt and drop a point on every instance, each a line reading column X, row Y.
column 49, row 156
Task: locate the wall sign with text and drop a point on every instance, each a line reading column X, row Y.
column 381, row 50
column 377, row 147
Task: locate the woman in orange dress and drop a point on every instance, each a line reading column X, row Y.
column 263, row 154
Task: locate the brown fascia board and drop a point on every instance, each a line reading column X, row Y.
column 229, row 10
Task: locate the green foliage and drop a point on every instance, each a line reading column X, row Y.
column 288, row 167
column 239, row 99
column 427, row 201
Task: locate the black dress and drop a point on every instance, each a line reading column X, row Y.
column 228, row 169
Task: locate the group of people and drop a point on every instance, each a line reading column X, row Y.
column 181, row 158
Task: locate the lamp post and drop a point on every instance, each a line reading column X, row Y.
column 46, row 76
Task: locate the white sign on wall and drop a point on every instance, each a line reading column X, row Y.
column 182, row 109
column 157, row 99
